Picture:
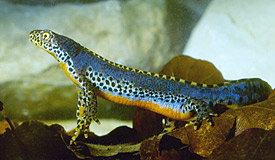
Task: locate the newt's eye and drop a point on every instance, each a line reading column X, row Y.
column 46, row 36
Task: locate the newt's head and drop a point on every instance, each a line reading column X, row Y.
column 57, row 45
column 60, row 47
column 44, row 39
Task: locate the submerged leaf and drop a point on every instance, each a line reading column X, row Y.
column 251, row 144
column 147, row 123
column 34, row 140
column 207, row 138
column 88, row 150
column 119, row 141
column 192, row 69
column 4, row 125
column 149, row 148
column 165, row 147
column 258, row 115
column 272, row 94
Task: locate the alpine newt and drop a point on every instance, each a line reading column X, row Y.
column 173, row 97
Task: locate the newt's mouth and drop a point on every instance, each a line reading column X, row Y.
column 34, row 38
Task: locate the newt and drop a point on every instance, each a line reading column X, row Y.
column 170, row 96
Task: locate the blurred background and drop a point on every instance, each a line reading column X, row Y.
column 238, row 37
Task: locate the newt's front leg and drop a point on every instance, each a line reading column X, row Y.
column 86, row 110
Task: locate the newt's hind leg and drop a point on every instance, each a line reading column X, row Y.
column 199, row 111
column 86, row 111
column 204, row 112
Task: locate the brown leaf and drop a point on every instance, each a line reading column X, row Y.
column 170, row 155
column 147, row 123
column 34, row 140
column 259, row 115
column 191, row 69
column 161, row 147
column 119, row 142
column 149, row 148
column 4, row 125
column 250, row 144
column 207, row 138
column 272, row 94
column 165, row 147
column 88, row 150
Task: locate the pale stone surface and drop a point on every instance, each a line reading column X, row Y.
column 128, row 32
column 108, row 28
column 238, row 37
column 106, row 126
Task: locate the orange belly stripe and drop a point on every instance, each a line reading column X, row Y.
column 164, row 110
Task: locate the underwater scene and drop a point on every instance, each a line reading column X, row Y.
column 137, row 79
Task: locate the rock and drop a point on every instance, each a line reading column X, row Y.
column 51, row 2
column 182, row 17
column 238, row 38
column 95, row 25
column 128, row 32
